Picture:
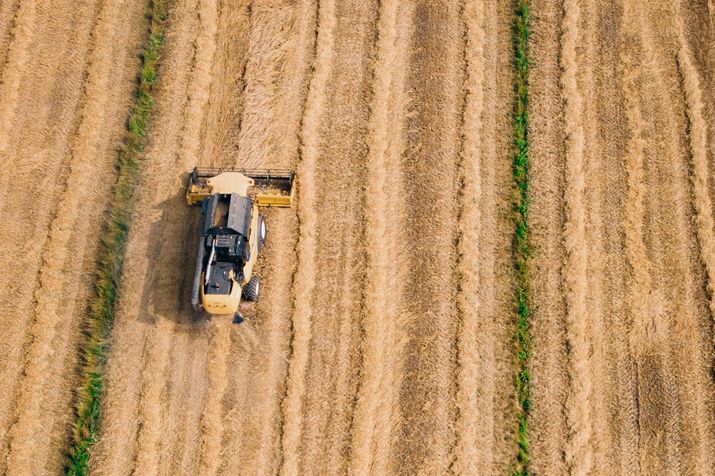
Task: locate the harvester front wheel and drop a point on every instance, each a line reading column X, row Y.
column 262, row 231
column 252, row 289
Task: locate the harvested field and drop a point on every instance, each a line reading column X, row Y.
column 622, row 183
column 384, row 339
column 67, row 72
column 349, row 362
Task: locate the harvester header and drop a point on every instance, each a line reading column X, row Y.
column 267, row 187
column 233, row 231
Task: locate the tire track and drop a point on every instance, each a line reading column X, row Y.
column 700, row 172
column 211, row 421
column 304, row 280
column 692, row 363
column 374, row 417
column 8, row 20
column 14, row 68
column 644, row 294
column 641, row 340
column 673, row 417
column 610, row 318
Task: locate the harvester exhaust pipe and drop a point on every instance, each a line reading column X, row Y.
column 196, row 292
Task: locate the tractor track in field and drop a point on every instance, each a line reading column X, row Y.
column 634, row 284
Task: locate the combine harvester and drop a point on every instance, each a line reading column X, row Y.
column 233, row 231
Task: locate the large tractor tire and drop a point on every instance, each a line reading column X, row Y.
column 262, row 231
column 252, row 289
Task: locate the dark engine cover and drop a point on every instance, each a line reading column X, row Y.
column 225, row 226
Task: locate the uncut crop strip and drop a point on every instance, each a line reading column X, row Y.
column 87, row 416
column 521, row 237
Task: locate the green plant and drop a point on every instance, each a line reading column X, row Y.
column 111, row 259
column 521, row 236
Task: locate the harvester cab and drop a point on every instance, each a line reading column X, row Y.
column 233, row 231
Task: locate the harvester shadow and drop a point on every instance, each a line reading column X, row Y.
column 172, row 243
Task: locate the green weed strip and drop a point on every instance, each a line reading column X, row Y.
column 521, row 237
column 111, row 259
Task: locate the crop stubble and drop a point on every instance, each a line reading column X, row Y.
column 382, row 341
column 321, row 376
column 65, row 84
column 630, row 308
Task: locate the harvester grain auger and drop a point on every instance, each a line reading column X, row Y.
column 233, row 231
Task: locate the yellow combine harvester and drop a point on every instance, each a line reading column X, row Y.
column 232, row 232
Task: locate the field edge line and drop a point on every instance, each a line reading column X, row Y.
column 521, row 247
column 110, row 262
